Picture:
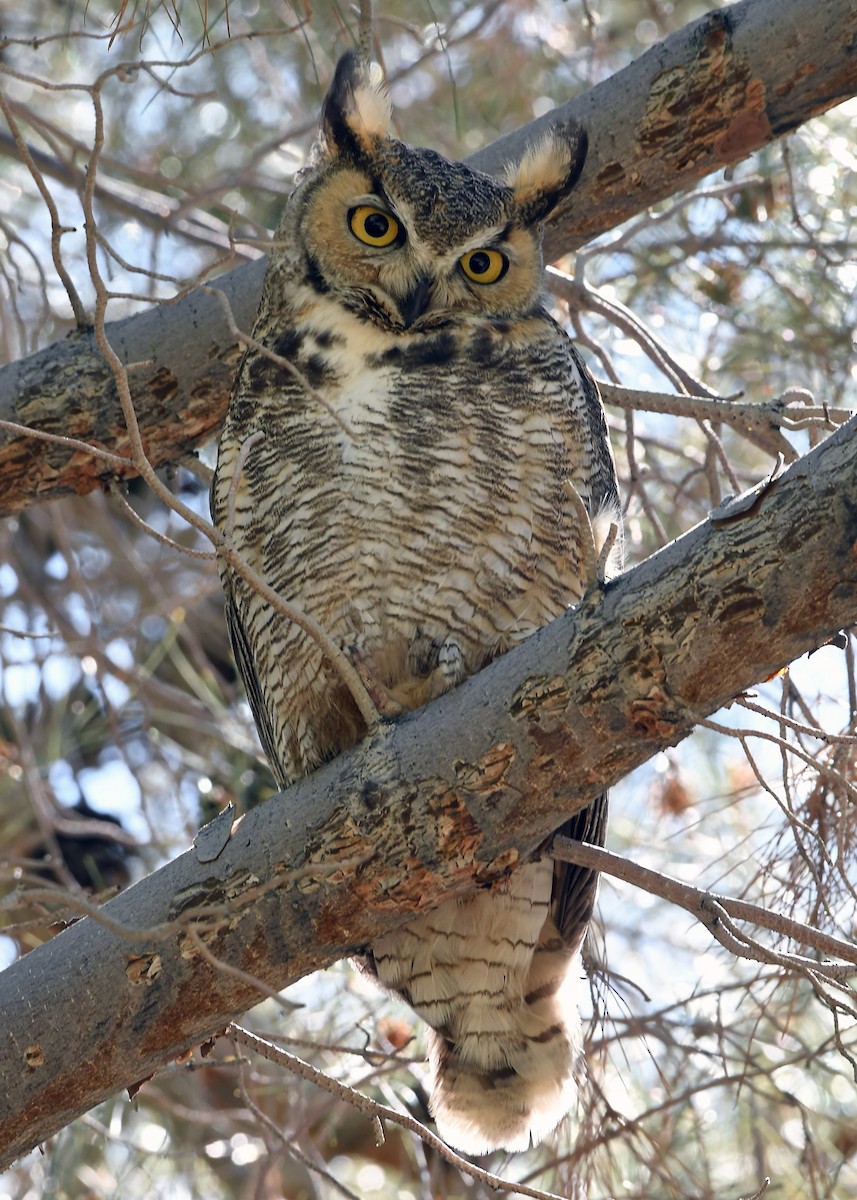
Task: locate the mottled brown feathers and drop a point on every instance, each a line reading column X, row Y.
column 407, row 479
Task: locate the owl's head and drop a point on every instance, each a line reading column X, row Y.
column 408, row 239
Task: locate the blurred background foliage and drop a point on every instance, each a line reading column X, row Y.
column 122, row 726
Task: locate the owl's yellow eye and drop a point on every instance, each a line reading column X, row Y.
column 484, row 266
column 373, row 226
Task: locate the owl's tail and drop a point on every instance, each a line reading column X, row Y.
column 510, row 1078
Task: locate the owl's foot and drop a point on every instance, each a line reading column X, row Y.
column 432, row 668
column 451, row 668
column 388, row 707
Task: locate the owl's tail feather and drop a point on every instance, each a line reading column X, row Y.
column 509, row 1090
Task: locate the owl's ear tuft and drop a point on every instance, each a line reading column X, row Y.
column 357, row 110
column 549, row 170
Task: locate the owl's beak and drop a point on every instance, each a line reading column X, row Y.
column 414, row 303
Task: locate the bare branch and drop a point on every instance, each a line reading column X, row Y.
column 760, row 422
column 713, row 912
column 373, row 1109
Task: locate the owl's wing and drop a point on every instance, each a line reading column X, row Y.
column 604, row 489
column 575, row 888
column 243, row 655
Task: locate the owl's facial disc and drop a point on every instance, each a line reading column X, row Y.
column 383, row 252
column 407, row 239
column 378, row 228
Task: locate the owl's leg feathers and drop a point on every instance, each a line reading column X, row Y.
column 388, row 707
column 427, row 668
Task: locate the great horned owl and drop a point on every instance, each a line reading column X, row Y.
column 410, row 488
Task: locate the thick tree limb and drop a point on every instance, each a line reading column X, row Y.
column 704, row 98
column 449, row 797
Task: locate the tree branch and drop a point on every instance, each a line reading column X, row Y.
column 450, row 797
column 274, row 1053
column 705, row 97
column 712, row 910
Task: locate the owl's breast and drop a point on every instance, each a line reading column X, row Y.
column 410, row 493
column 430, row 479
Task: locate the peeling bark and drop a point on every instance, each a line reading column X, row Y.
column 704, row 98
column 448, row 797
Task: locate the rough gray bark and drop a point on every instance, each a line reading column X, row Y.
column 447, row 797
column 704, row 98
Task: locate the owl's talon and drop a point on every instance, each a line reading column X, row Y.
column 387, row 707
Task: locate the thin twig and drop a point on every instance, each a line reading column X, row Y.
column 201, row 950
column 57, row 230
column 115, row 460
column 288, row 1143
column 198, row 469
column 606, row 551
column 372, row 1108
column 790, row 747
column 577, row 294
column 757, row 1195
column 26, row 633
column 844, row 739
column 702, row 905
column 150, row 531
column 251, row 343
column 336, row 657
column 366, row 36
column 235, row 482
column 612, row 242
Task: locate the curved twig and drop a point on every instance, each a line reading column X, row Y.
column 373, row 1109
column 710, row 909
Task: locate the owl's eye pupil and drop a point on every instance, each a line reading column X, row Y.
column 376, row 225
column 484, row 266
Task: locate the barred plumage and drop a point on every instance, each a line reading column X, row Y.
column 410, row 490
